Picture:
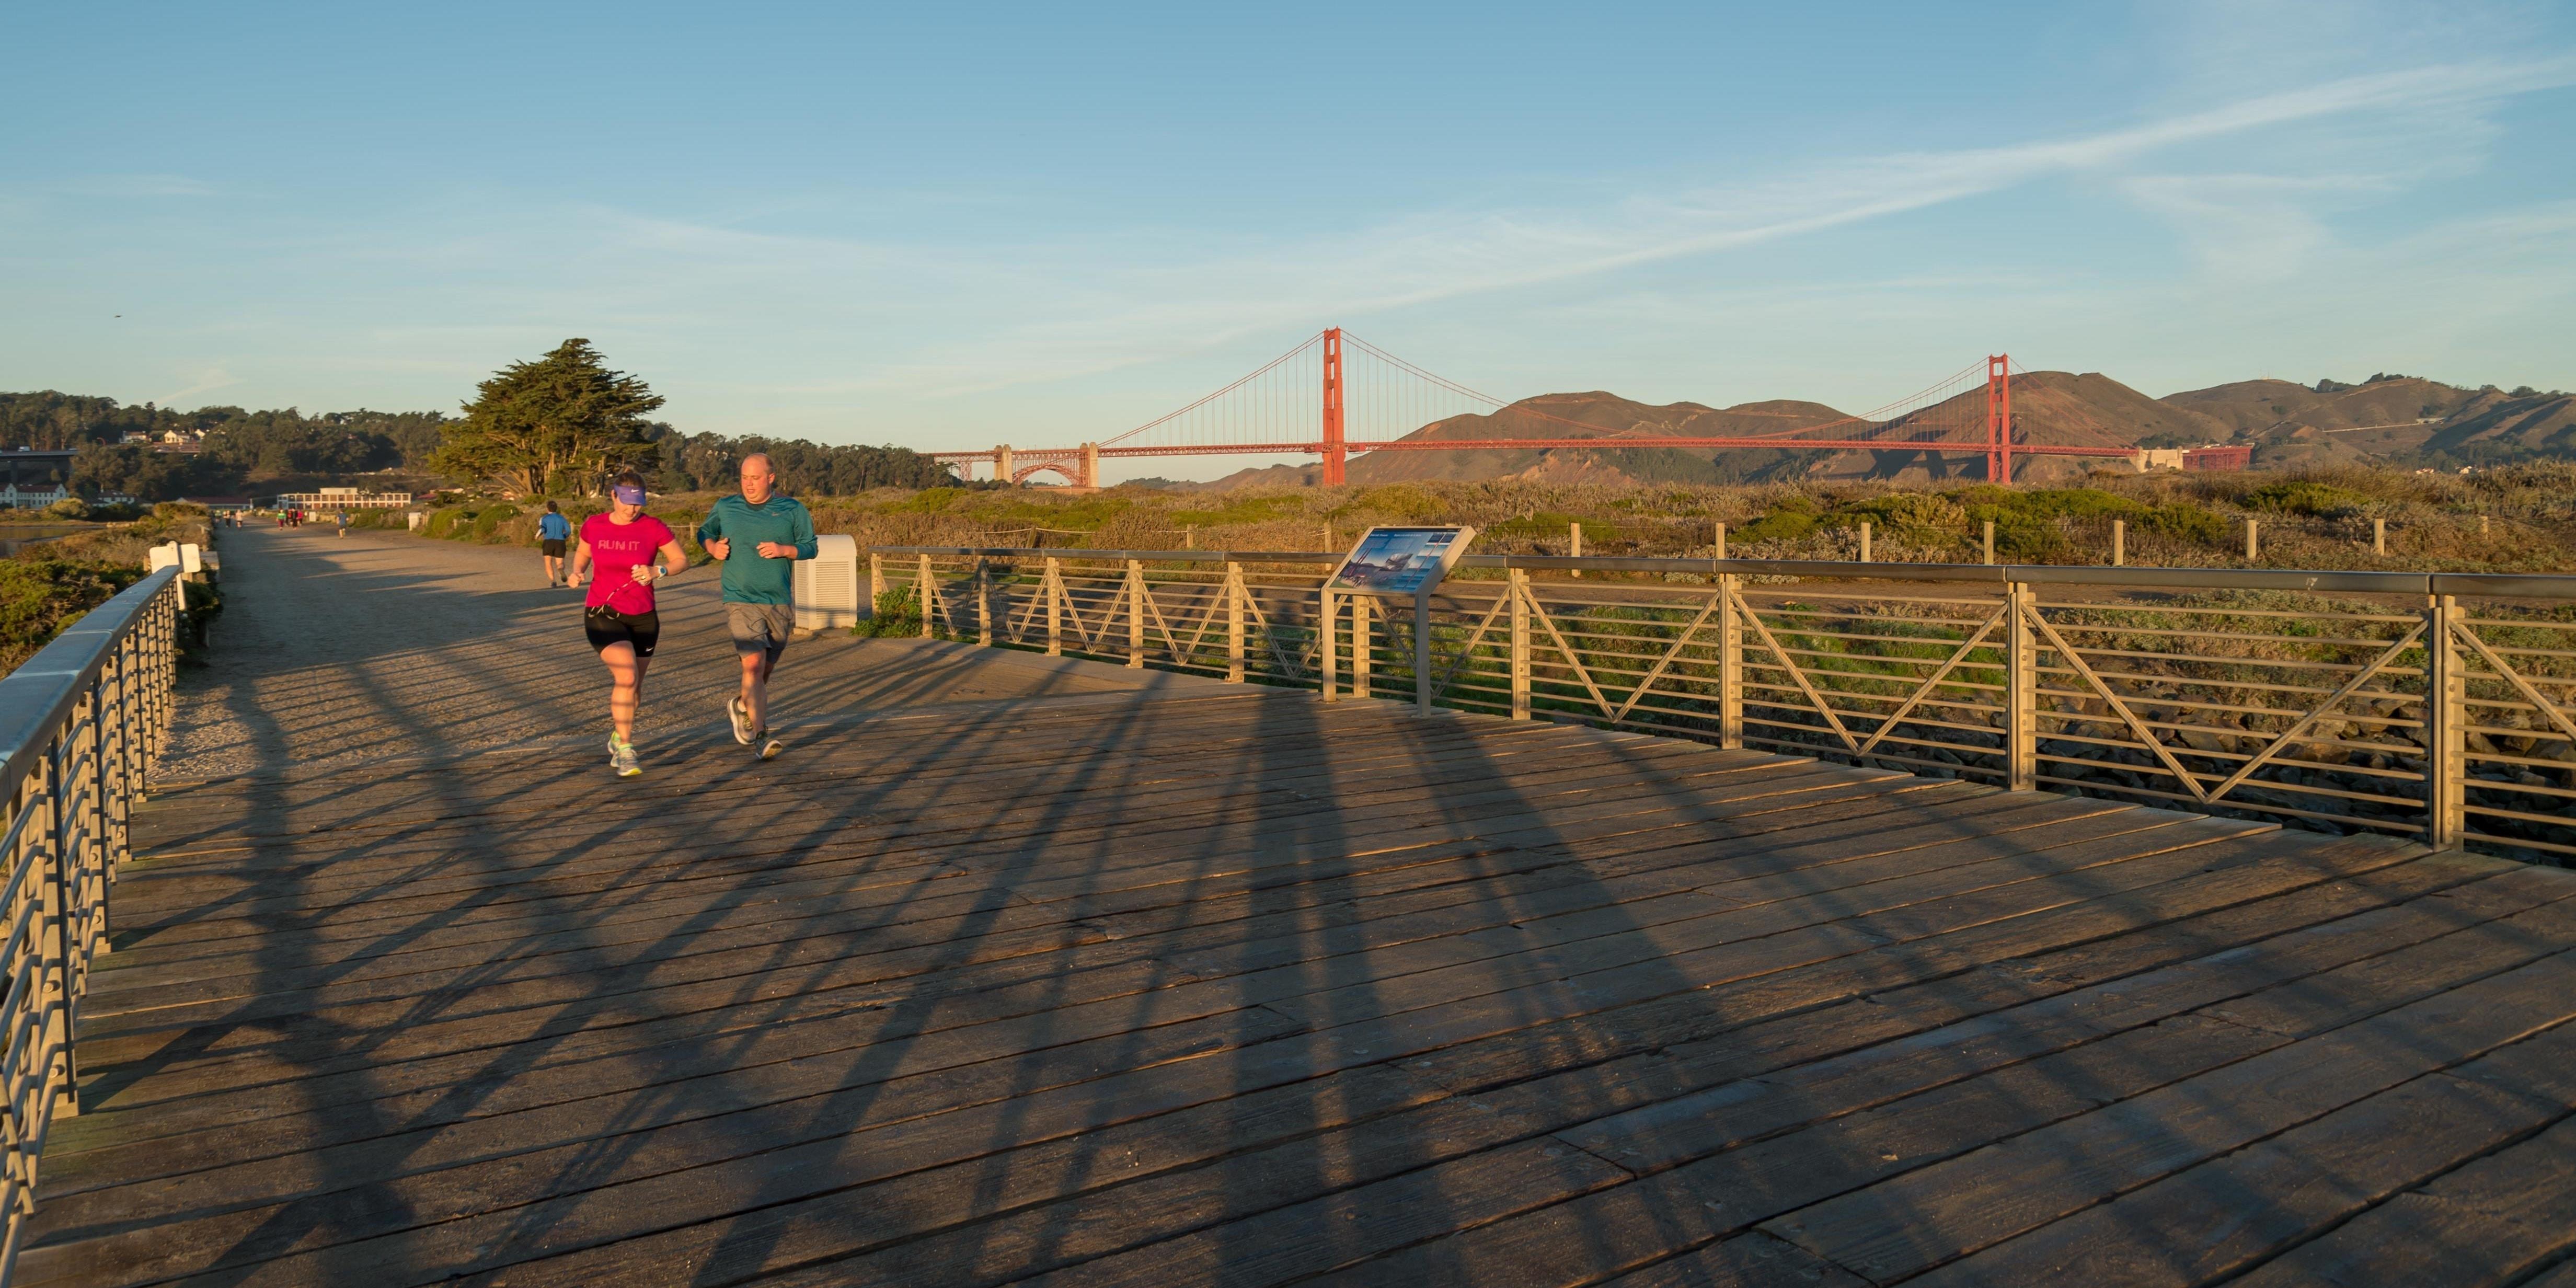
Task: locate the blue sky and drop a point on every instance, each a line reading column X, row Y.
column 945, row 226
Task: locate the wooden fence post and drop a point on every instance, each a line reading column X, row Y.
column 2119, row 542
column 928, row 605
column 1235, row 594
column 983, row 604
column 2021, row 696
column 1721, row 542
column 2379, row 536
column 1730, row 663
column 2446, row 762
column 1990, row 541
column 1325, row 647
column 1422, row 650
column 876, row 579
column 1363, row 645
column 2250, row 546
column 1135, row 615
column 1574, row 538
column 1518, row 588
column 1054, row 591
column 1864, row 541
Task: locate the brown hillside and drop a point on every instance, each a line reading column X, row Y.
column 2264, row 407
column 2546, row 423
column 2056, row 408
column 1595, row 414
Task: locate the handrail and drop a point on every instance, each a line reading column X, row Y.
column 2358, row 582
column 80, row 722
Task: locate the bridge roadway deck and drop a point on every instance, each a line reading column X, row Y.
column 1216, row 986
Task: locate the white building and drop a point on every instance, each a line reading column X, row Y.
column 342, row 498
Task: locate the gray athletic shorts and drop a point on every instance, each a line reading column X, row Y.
column 760, row 628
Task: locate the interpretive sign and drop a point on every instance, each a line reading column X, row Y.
column 1400, row 561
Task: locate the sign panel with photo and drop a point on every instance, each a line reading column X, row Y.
column 1401, row 561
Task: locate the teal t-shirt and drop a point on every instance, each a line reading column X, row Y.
column 749, row 578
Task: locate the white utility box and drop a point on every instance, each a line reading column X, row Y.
column 828, row 586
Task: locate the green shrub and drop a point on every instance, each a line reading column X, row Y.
column 1785, row 524
column 70, row 507
column 898, row 613
column 442, row 523
column 489, row 520
column 2302, row 496
column 2184, row 521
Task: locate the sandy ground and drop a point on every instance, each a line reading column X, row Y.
column 380, row 644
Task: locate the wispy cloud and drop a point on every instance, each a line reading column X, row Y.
column 202, row 380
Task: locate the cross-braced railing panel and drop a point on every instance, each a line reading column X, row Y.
column 2337, row 701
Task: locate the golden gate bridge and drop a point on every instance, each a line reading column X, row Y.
column 1336, row 396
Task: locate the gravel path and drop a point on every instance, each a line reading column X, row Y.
column 381, row 644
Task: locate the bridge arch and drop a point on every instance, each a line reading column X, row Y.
column 1069, row 471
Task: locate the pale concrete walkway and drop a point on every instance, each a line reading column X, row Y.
column 334, row 648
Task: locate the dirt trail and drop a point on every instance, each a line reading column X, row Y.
column 381, row 644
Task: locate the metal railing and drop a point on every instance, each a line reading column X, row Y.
column 2441, row 706
column 82, row 721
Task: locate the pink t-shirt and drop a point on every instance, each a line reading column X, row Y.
column 615, row 549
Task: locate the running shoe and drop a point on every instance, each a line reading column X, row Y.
column 770, row 747
column 741, row 717
column 621, row 757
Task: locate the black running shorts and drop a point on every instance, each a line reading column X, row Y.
column 606, row 626
column 552, row 547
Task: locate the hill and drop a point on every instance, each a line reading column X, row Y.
column 2388, row 419
column 2053, row 407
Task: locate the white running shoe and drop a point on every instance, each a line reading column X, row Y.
column 741, row 717
column 621, row 757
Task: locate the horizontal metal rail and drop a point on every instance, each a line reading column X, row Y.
column 2348, row 701
column 82, row 722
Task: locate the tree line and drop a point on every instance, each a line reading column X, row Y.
column 562, row 424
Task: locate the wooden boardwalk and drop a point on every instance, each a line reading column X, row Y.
column 1228, row 987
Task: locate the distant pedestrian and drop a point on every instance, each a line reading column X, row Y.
column 618, row 614
column 552, row 531
column 343, row 517
column 758, row 536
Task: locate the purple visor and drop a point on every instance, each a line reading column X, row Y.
column 628, row 493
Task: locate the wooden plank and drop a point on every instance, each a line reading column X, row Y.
column 2228, row 1214
column 663, row 1206
column 2489, row 1222
column 1912, row 1223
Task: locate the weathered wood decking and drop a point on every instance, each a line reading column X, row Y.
column 1239, row 988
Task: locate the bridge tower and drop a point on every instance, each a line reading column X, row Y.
column 1090, row 476
column 1002, row 463
column 1333, row 453
column 1999, row 418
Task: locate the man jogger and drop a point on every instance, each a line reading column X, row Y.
column 758, row 536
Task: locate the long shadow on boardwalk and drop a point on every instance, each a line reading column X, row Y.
column 1235, row 987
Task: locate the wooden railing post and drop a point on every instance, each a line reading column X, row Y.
column 1730, row 662
column 1235, row 593
column 1135, row 615
column 1054, row 591
column 1422, row 650
column 983, row 603
column 876, row 579
column 1325, row 647
column 2446, row 695
column 1518, row 589
column 928, row 605
column 2119, row 542
column 1363, row 646
column 2021, row 696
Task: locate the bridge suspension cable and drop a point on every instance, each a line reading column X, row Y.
column 1334, row 395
